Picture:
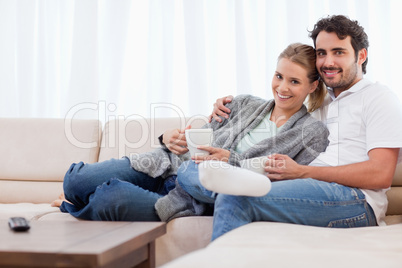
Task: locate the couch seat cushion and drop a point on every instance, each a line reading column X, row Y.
column 28, row 210
column 266, row 244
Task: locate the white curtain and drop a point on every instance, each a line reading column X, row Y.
column 119, row 58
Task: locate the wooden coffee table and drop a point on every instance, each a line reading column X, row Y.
column 80, row 244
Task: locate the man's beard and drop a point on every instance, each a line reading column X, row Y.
column 346, row 79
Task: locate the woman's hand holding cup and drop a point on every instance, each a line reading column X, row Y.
column 175, row 140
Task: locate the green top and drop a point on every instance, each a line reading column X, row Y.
column 266, row 129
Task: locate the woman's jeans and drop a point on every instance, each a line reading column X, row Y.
column 112, row 191
column 300, row 201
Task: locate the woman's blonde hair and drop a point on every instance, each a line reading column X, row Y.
column 305, row 56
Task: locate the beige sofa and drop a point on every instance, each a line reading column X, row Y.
column 35, row 154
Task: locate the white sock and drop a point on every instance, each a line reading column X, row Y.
column 220, row 177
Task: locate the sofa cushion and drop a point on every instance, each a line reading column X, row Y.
column 28, row 210
column 57, row 216
column 42, row 150
column 29, row 191
column 268, row 244
column 183, row 235
column 36, row 149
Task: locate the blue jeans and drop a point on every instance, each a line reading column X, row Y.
column 299, row 201
column 187, row 178
column 112, row 191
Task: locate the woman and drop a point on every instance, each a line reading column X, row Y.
column 126, row 190
column 257, row 127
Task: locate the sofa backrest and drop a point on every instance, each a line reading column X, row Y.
column 36, row 153
column 121, row 137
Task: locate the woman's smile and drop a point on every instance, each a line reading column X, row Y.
column 283, row 96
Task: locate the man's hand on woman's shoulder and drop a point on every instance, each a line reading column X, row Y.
column 220, row 109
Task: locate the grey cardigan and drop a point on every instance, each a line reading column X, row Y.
column 302, row 138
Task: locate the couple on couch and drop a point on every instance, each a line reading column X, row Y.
column 332, row 175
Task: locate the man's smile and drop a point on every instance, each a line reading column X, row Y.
column 331, row 72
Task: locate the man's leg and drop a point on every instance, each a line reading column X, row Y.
column 300, row 201
column 188, row 179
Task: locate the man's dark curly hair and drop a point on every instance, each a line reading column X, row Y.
column 343, row 27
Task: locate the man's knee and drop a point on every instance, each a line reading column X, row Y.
column 231, row 201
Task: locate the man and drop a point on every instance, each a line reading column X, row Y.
column 344, row 186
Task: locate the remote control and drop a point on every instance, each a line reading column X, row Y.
column 18, row 224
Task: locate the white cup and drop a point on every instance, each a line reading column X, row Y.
column 197, row 137
column 255, row 164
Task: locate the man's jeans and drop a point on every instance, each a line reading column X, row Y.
column 300, row 201
column 112, row 190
